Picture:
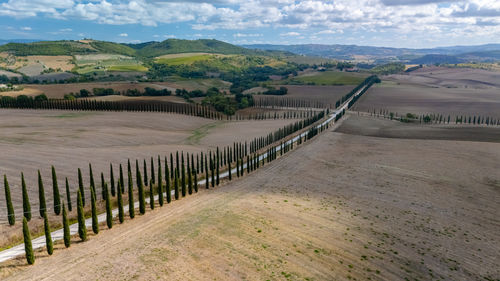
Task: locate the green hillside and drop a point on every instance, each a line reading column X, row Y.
column 175, row 46
column 61, row 48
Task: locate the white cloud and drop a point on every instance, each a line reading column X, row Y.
column 169, row 36
column 26, row 28
column 431, row 18
column 123, row 35
column 291, row 33
column 239, row 35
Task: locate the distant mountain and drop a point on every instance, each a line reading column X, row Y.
column 436, row 58
column 6, row 41
column 349, row 52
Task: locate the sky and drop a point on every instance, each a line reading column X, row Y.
column 391, row 23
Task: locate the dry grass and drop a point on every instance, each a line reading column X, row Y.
column 342, row 207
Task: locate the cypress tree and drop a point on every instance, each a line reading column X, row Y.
column 10, row 208
column 152, row 171
column 122, row 182
column 80, row 186
column 109, row 213
column 28, row 248
column 67, row 236
column 48, row 237
column 131, row 210
column 120, row 202
column 41, row 195
column 238, row 168
column 248, row 164
column 95, row 222
column 196, row 181
column 168, row 187
column 112, row 180
column 103, row 194
column 242, row 169
column 229, row 168
column 145, row 173
column 183, row 177
column 212, row 168
column 177, row 162
column 218, row 169
column 206, row 173
column 68, row 196
column 26, row 200
column 151, row 195
column 176, row 184
column 190, row 179
column 160, row 183
column 55, row 192
column 140, row 190
column 91, row 174
column 137, row 173
column 82, row 229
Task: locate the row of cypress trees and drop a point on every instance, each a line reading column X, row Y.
column 192, row 109
column 295, row 114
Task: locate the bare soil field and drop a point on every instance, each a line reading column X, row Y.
column 451, row 77
column 342, row 207
column 421, row 99
column 32, row 140
column 326, row 94
column 378, row 127
column 10, row 74
column 59, row 90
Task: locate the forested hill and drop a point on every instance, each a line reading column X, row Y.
column 149, row 49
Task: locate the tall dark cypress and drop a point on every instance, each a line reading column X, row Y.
column 120, row 201
column 183, row 177
column 80, row 186
column 137, row 173
column 48, row 238
column 160, row 183
column 55, row 193
column 103, row 194
column 68, row 196
column 109, row 213
column 195, row 181
column 26, row 200
column 217, row 181
column 229, row 168
column 10, row 208
column 28, row 247
column 91, row 175
column 145, row 173
column 212, row 168
column 206, row 173
column 168, row 179
column 112, row 180
column 248, row 164
column 201, row 162
column 189, row 178
column 140, row 190
column 82, row 229
column 242, row 169
column 151, row 195
column 41, row 195
column 95, row 222
column 131, row 210
column 197, row 163
column 67, row 235
column 176, row 184
column 152, row 171
column 122, row 183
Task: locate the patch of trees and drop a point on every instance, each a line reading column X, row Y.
column 99, row 92
column 436, row 118
column 344, row 65
column 390, row 68
column 276, row 92
column 225, row 103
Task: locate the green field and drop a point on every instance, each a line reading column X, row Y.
column 328, row 78
column 187, row 60
column 125, row 68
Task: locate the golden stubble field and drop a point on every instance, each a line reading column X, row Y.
column 342, row 207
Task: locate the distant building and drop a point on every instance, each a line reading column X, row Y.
column 351, row 69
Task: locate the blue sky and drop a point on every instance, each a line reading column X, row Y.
column 392, row 23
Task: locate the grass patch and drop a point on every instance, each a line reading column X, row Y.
column 184, row 60
column 126, row 68
column 201, row 132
